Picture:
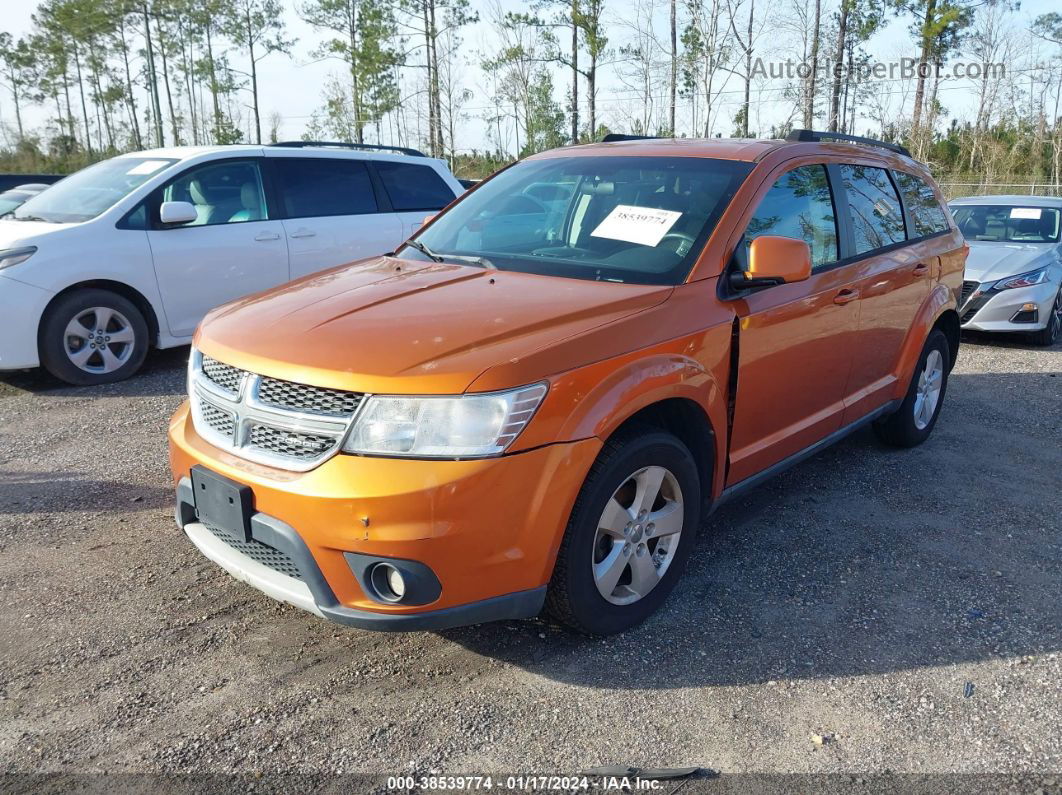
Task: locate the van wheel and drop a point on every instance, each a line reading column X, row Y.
column 1049, row 335
column 93, row 337
column 914, row 420
column 629, row 535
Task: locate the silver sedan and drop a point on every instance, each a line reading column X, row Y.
column 1013, row 279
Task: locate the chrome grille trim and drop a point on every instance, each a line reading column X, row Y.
column 264, row 432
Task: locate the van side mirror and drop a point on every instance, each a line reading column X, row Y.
column 171, row 213
column 774, row 260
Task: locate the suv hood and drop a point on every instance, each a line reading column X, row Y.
column 390, row 325
column 989, row 262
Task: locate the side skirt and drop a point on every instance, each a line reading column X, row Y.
column 752, row 482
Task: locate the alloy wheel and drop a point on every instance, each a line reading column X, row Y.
column 927, row 395
column 99, row 340
column 637, row 535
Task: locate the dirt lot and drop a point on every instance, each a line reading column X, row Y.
column 906, row 607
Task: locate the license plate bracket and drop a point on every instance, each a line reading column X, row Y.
column 222, row 503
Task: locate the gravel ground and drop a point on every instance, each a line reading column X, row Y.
column 868, row 611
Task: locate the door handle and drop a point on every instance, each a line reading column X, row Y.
column 921, row 269
column 302, row 233
column 267, row 236
column 846, row 296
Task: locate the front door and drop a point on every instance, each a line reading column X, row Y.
column 231, row 249
column 796, row 341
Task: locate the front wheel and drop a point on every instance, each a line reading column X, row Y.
column 93, row 336
column 629, row 535
column 1050, row 334
column 912, row 423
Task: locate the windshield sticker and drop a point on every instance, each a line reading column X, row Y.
column 147, row 167
column 1032, row 213
column 645, row 226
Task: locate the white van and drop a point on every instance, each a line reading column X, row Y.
column 133, row 251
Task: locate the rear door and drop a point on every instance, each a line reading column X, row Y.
column 233, row 248
column 332, row 214
column 796, row 341
column 415, row 190
column 896, row 266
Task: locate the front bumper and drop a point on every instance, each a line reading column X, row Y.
column 487, row 529
column 21, row 307
column 1001, row 310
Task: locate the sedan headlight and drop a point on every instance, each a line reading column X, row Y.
column 13, row 256
column 1024, row 280
column 462, row 426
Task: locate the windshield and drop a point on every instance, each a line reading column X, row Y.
column 1001, row 223
column 11, row 199
column 641, row 220
column 86, row 194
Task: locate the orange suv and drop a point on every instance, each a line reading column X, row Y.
column 535, row 402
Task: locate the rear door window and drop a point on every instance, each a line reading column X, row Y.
column 877, row 220
column 412, row 187
column 799, row 205
column 925, row 216
column 320, row 187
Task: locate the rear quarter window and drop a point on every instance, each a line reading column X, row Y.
column 413, row 187
column 924, row 213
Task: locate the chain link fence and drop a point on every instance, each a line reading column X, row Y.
column 957, row 187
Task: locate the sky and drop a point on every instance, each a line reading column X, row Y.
column 292, row 86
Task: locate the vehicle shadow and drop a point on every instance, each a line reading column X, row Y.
column 60, row 492
column 1015, row 341
column 162, row 374
column 862, row 560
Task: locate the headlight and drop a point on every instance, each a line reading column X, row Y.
column 462, row 426
column 13, row 256
column 1024, row 280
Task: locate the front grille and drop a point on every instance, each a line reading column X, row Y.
column 222, row 375
column 268, row 420
column 302, row 397
column 221, row 422
column 973, row 307
column 260, row 553
column 967, row 291
column 290, row 444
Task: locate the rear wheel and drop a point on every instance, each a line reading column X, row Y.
column 629, row 535
column 1050, row 334
column 912, row 423
column 93, row 337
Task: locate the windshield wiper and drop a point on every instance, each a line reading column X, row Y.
column 31, row 218
column 427, row 252
column 483, row 262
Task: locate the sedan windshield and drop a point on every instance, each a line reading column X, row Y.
column 91, row 191
column 1000, row 223
column 641, row 220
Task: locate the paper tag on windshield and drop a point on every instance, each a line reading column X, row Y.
column 147, row 167
column 645, row 226
column 1032, row 213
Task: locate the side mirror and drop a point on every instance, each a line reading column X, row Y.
column 171, row 213
column 774, row 260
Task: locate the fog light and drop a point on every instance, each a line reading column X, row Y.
column 1028, row 308
column 388, row 582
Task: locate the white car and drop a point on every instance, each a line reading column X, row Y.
column 133, row 251
column 1014, row 271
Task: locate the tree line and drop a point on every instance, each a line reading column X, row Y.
column 113, row 75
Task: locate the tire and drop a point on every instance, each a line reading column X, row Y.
column 1051, row 333
column 914, row 421
column 628, row 463
column 75, row 348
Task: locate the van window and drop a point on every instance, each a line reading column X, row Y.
column 312, row 187
column 799, row 205
column 413, row 187
column 924, row 213
column 877, row 220
column 225, row 192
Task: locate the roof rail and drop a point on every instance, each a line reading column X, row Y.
column 621, row 137
column 816, row 135
column 347, row 145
